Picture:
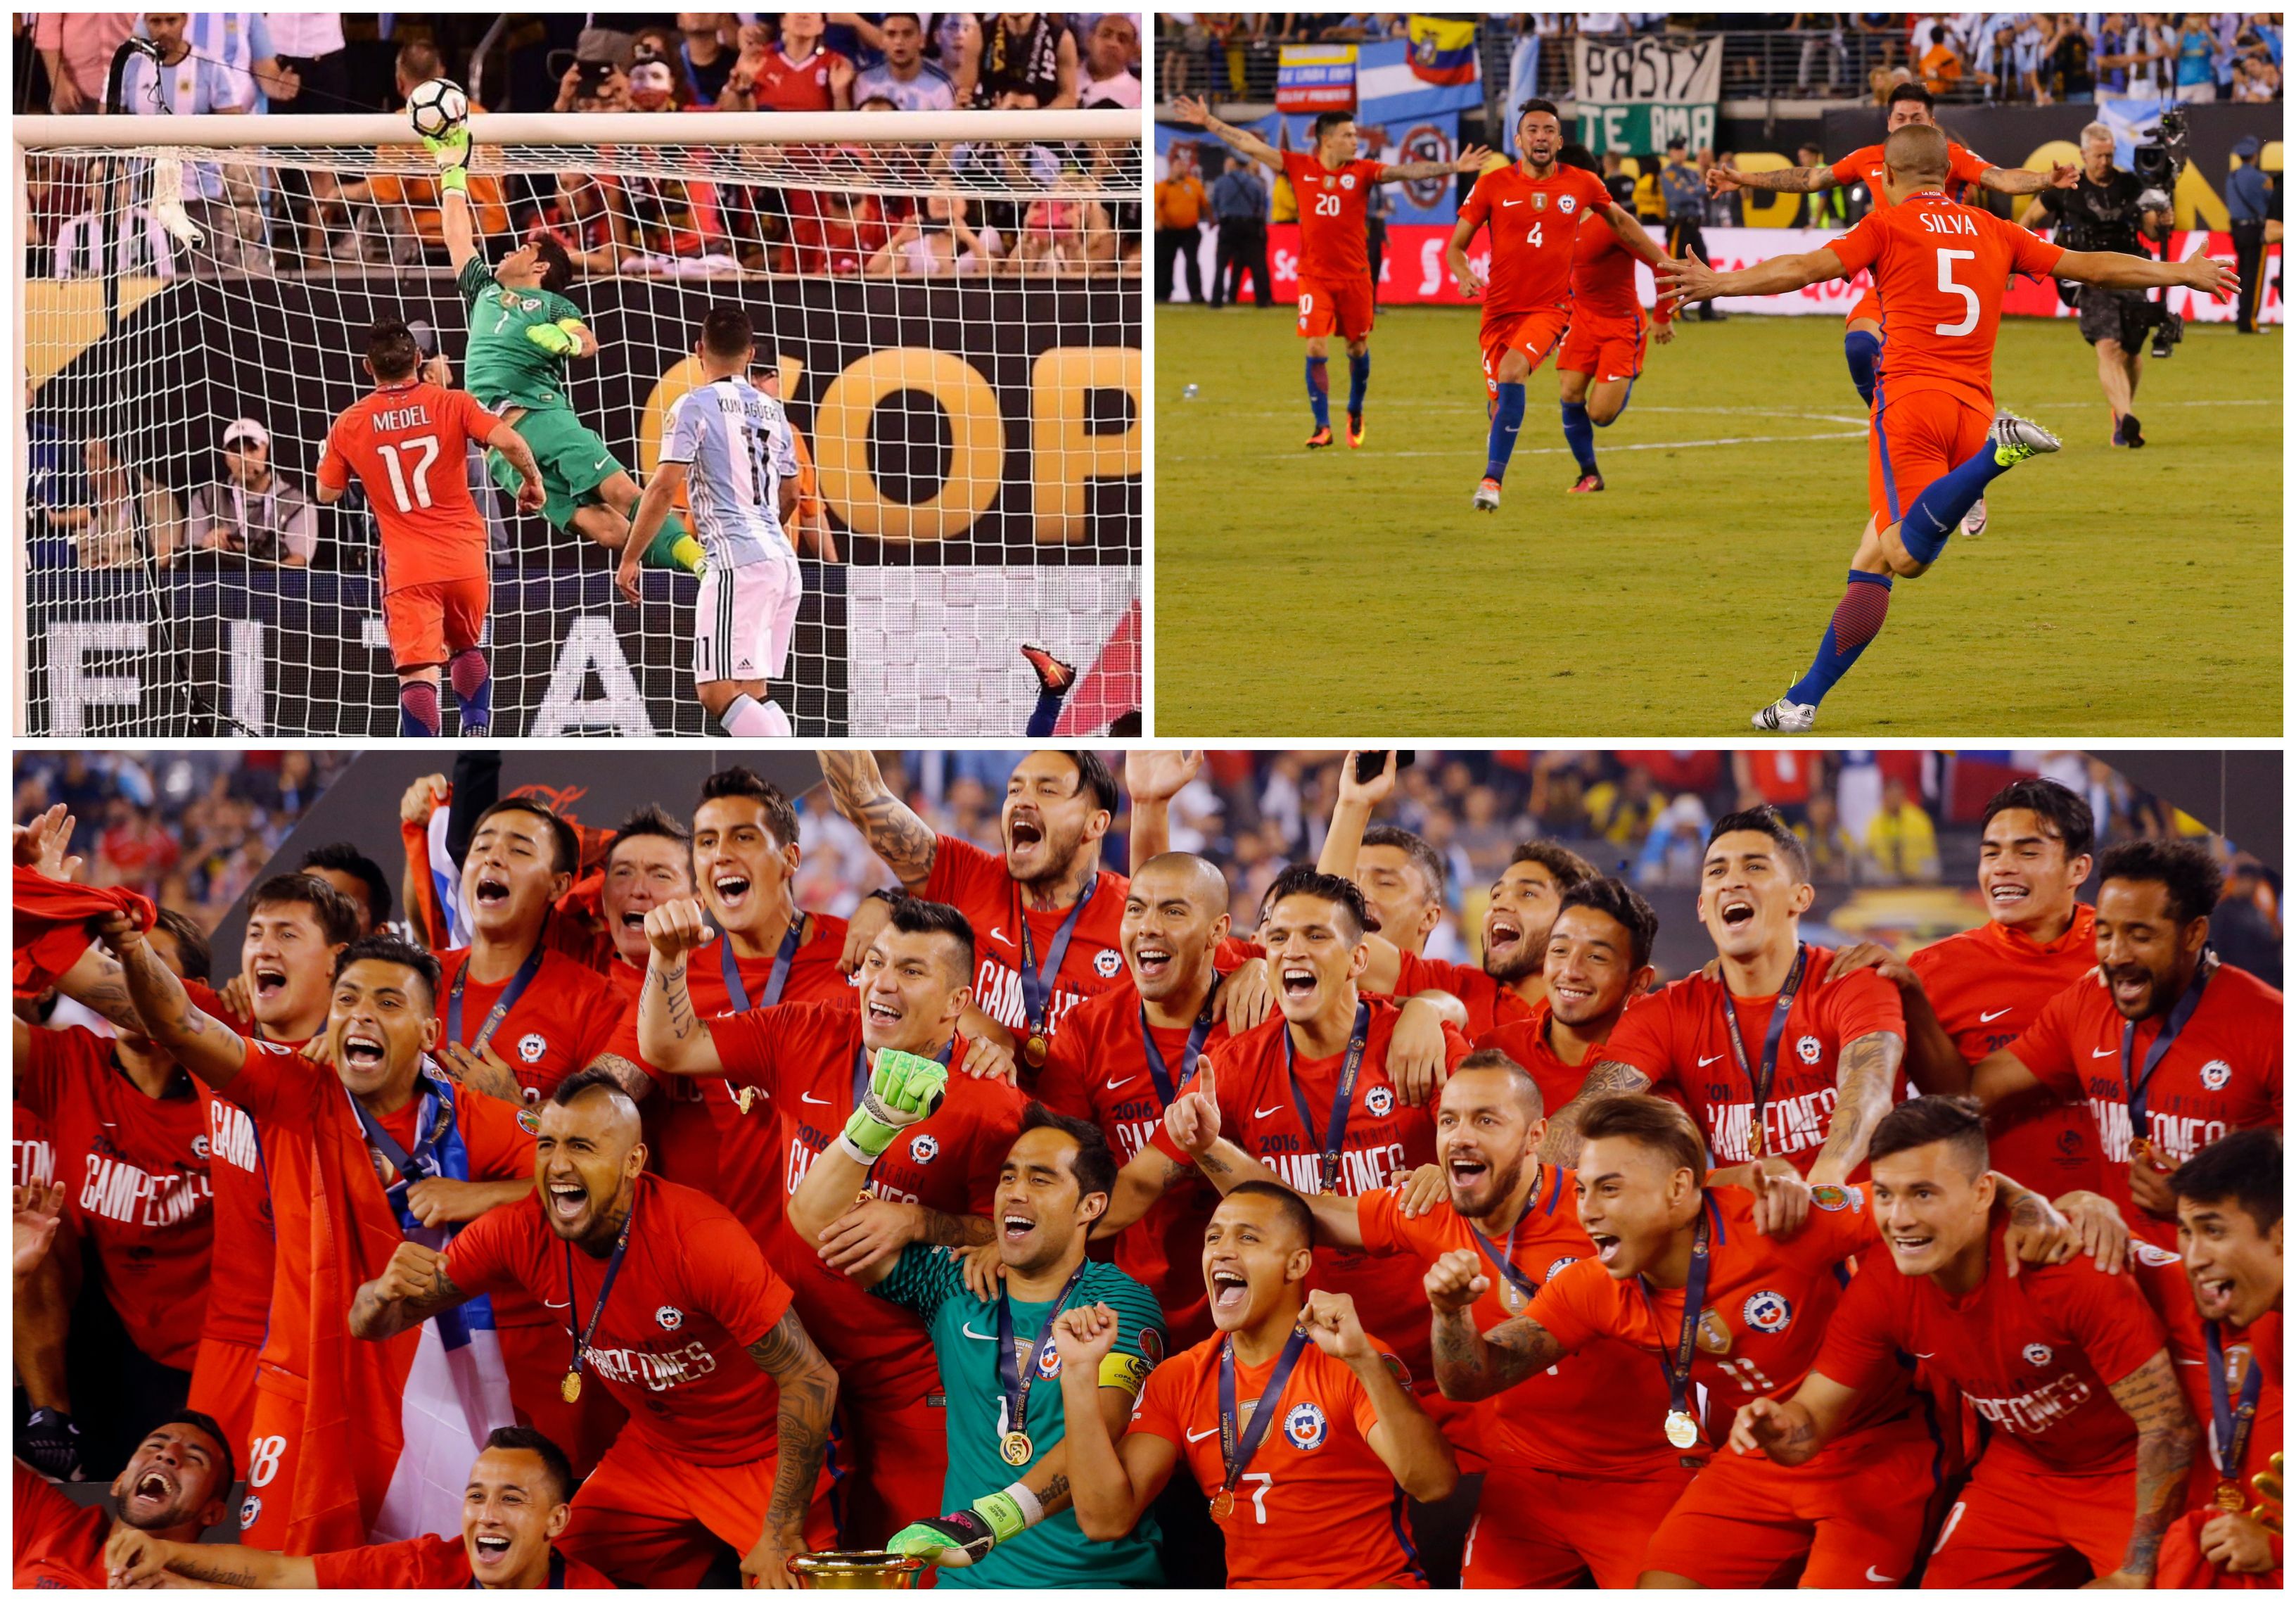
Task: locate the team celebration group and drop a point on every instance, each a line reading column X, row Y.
column 630, row 1223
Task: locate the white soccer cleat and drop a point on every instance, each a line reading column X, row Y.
column 2014, row 440
column 1973, row 525
column 1783, row 717
column 1487, row 495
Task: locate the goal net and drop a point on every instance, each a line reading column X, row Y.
column 949, row 305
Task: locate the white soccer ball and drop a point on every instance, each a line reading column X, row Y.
column 437, row 108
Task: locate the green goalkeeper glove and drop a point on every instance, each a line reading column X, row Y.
column 452, row 152
column 962, row 1539
column 557, row 338
column 904, row 1088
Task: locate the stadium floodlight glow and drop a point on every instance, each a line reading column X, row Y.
column 952, row 304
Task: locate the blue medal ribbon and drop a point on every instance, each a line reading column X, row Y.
column 1342, row 1097
column 738, row 992
column 431, row 1124
column 1761, row 1082
column 1505, row 1261
column 1012, row 1365
column 2136, row 1085
column 1694, row 1304
column 1167, row 1088
column 508, row 1000
column 2232, row 1422
column 1036, row 989
column 582, row 1338
column 1237, row 1445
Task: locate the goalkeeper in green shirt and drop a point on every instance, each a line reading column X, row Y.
column 523, row 333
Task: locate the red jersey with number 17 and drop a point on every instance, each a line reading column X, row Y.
column 408, row 442
column 1533, row 229
column 1941, row 269
column 1332, row 206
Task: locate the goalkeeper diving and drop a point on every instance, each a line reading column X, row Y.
column 523, row 333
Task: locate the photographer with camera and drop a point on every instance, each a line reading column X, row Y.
column 2109, row 209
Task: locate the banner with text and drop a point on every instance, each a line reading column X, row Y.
column 1315, row 78
column 1635, row 95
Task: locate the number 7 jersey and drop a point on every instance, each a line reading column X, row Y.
column 1941, row 269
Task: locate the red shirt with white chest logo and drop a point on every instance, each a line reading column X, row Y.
column 1534, row 231
column 565, row 1017
column 976, row 883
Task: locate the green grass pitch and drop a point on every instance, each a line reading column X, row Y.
column 1336, row 594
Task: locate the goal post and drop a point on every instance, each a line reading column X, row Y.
column 949, row 305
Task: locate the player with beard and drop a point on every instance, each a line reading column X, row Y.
column 1045, row 916
column 1000, row 1416
column 2088, row 1439
column 1682, row 1274
column 2173, row 1050
column 1970, row 994
column 1598, row 952
column 1533, row 207
column 2228, row 1219
column 1124, row 1055
column 177, row 1484
column 729, row 1399
column 933, row 1183
column 130, row 1149
column 468, row 1154
column 515, row 1507
column 1565, row 1493
column 1770, row 1059
column 1353, row 1434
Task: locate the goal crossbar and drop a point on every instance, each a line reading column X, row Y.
column 501, row 129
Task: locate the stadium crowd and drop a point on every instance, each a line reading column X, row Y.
column 995, row 206
column 333, row 1226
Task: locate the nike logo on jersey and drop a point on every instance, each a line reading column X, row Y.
column 2108, row 1051
column 1196, row 1436
column 1879, row 1578
column 1510, row 203
column 818, row 1101
column 1267, row 1112
column 976, row 1335
column 996, row 931
column 1118, row 1084
column 1988, row 1017
column 602, row 461
column 1715, row 1058
column 550, row 1303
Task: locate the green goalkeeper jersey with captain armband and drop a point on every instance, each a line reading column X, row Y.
column 502, row 368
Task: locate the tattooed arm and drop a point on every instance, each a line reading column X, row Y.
column 412, row 1287
column 165, row 1011
column 1867, row 1075
column 635, row 1082
column 1605, row 1077
column 809, row 1395
column 1228, row 1165
column 1469, row 1363
column 1140, row 1185
column 896, row 834
column 2166, row 1440
column 1792, row 1431
column 1783, row 180
column 97, row 983
column 670, row 1036
column 133, row 1560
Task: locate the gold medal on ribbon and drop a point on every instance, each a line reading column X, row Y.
column 2229, row 1496
column 2140, row 1149
column 1036, row 1049
column 1754, row 1139
column 571, row 1387
column 1681, row 1430
column 1223, row 1504
column 1016, row 1447
column 1511, row 1296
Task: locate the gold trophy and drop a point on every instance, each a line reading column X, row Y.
column 855, row 1571
column 2270, row 1495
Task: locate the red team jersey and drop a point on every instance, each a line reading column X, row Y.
column 1488, row 1002
column 1385, row 1140
column 1864, row 165
column 408, row 443
column 1533, row 229
column 1332, row 206
column 1603, row 284
column 563, row 1020
column 431, row 1563
column 59, row 1544
column 239, row 1285
column 35, row 1149
column 1527, row 1043
column 1303, row 1504
column 2035, row 1356
column 976, row 883
column 1565, row 1418
column 1941, row 269
column 783, row 85
column 135, row 1172
column 671, row 1345
column 805, row 1057
column 1678, row 1038
column 1987, row 985
column 2221, row 1074
column 1098, row 1070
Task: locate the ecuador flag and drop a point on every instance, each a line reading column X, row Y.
column 1443, row 49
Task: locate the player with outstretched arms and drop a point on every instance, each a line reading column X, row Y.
column 406, row 442
column 1336, row 291
column 1935, row 439
column 732, row 448
column 1533, row 207
column 523, row 332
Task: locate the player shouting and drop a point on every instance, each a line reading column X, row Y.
column 523, row 333
column 671, row 1308
column 1336, row 291
column 1533, row 207
column 406, row 441
column 1935, row 441
column 1598, row 953
column 732, row 448
column 1329, row 1433
column 176, row 1487
column 1602, row 354
column 2068, row 1369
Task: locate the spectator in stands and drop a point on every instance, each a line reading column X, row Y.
column 1822, row 39
column 585, row 213
column 707, row 48
column 310, row 79
column 1901, row 840
column 1941, row 61
column 2196, row 61
column 130, row 517
column 1239, row 201
column 2255, row 78
column 1180, row 202
column 1832, row 854
column 1649, row 198
column 905, row 80
column 939, row 243
column 254, row 510
column 800, row 73
column 1728, row 208
column 136, row 850
column 1064, row 232
column 1111, row 54
column 2149, row 49
column 1625, row 809
column 655, row 85
column 394, row 214
column 1030, row 53
column 2068, row 64
column 1682, row 188
column 834, row 231
column 1616, row 179
column 219, row 197
column 77, row 48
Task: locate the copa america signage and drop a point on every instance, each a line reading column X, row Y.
column 1635, row 96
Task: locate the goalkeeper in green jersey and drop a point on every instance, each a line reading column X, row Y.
column 523, row 333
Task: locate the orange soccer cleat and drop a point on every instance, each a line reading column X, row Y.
column 1052, row 672
column 1320, row 438
column 1588, row 484
column 1355, row 430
